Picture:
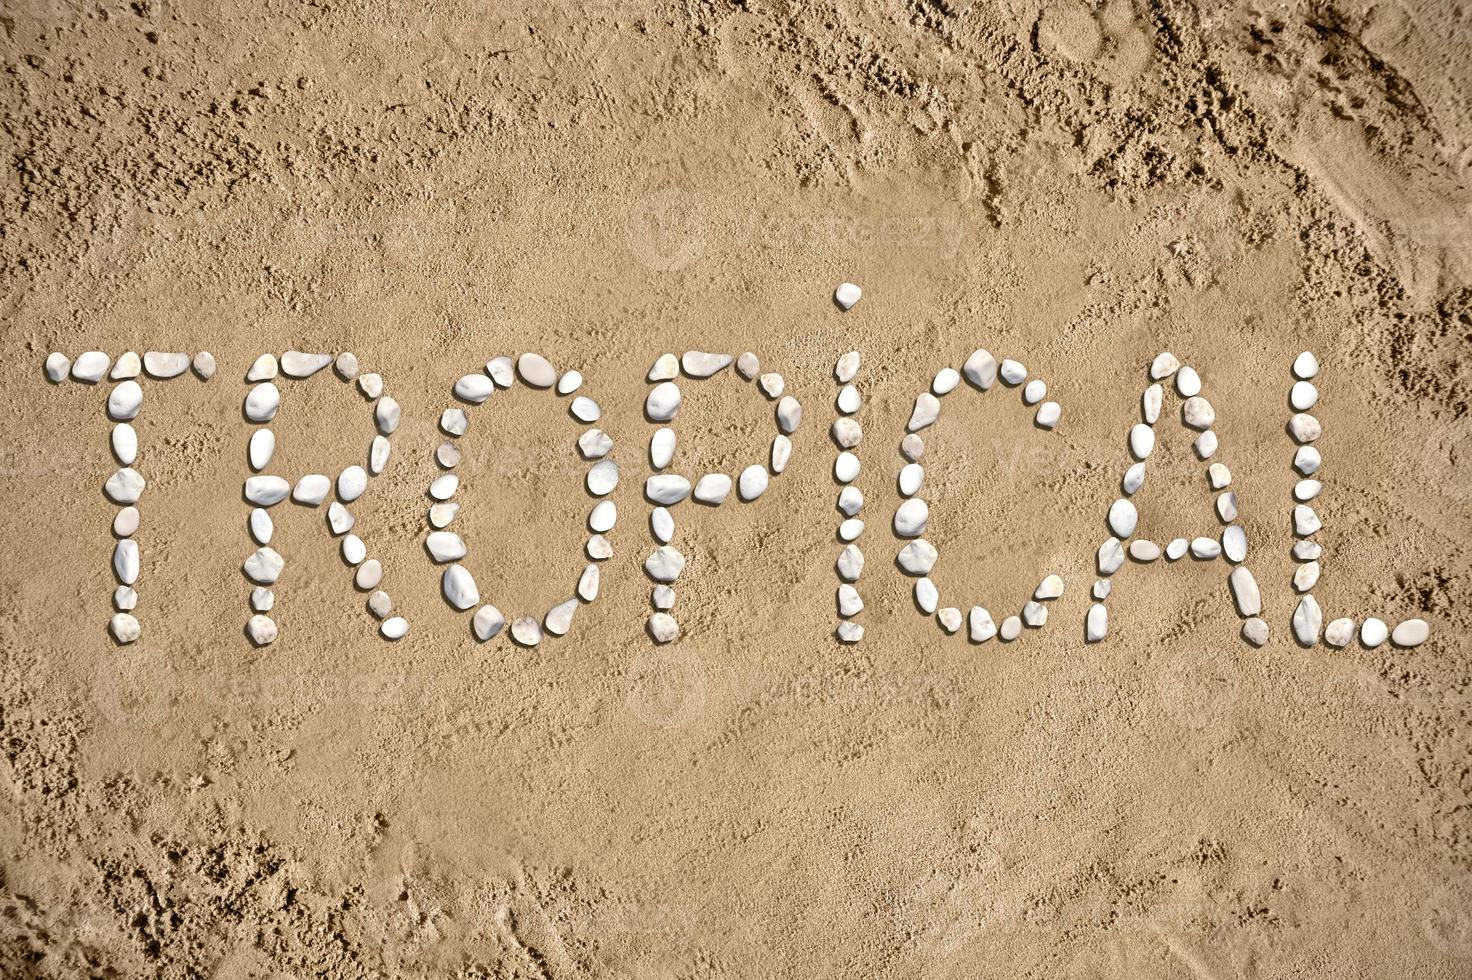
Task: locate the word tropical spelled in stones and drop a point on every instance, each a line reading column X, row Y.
column 664, row 490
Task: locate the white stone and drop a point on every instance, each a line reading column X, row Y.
column 1305, row 428
column 262, row 402
column 165, row 364
column 1307, row 550
column 261, row 448
column 125, row 486
column 311, row 489
column 927, row 597
column 664, row 564
column 588, row 583
column 662, row 524
column 266, row 491
column 371, row 385
column 125, row 561
column 1051, row 587
column 752, row 483
column 912, row 475
column 58, row 365
column 444, row 487
column 536, row 370
column 474, row 388
column 351, row 483
column 1102, row 588
column 1307, row 460
column 447, row 454
column 261, row 629
column 454, row 421
column 90, row 367
column 701, row 364
column 125, row 522
column 595, row 444
column 927, row 410
column 339, row 518
column 603, row 516
column 378, row 453
column 850, row 603
column 789, row 414
column 851, row 562
column 945, row 381
column 918, row 557
column 663, row 402
column 979, row 625
column 570, row 382
column 125, row 401
column 1245, row 591
column 262, row 369
column 1234, row 544
column 1218, row 476
column 847, row 367
column 262, row 599
column 1134, row 479
column 585, row 409
column 847, row 433
column 1206, row 444
column 1198, row 413
column 1142, row 440
column 781, row 452
column 1307, row 621
column 1034, row 391
column 666, row 488
column 1188, row 382
column 1303, row 395
column 602, row 477
column 559, row 618
column 394, row 628
column 980, row 369
column 1339, row 633
column 444, row 546
column 129, row 365
column 663, row 597
column 1048, row 414
column 847, row 294
column 1164, row 365
column 912, row 447
column 846, row 467
column 502, row 371
column 1096, row 623
column 1150, row 403
column 296, row 364
column 1226, row 506
column 1110, row 557
column 850, row 500
column 910, row 518
column 386, row 414
column 1410, row 633
column 368, row 575
column 443, row 514
column 849, row 400
column 261, row 525
column 346, row 365
column 1305, row 521
column 747, row 365
column 1034, row 614
column 712, row 488
column 1011, row 629
column 487, row 622
column 666, row 367
column 460, row 588
column 1123, row 517
column 1012, row 372
column 950, row 619
column 598, row 548
column 1206, row 548
column 1306, row 576
column 1255, row 631
column 1142, row 550
column 1305, row 366
column 663, row 628
column 264, row 566
column 354, row 551
column 1177, row 549
column 1374, row 632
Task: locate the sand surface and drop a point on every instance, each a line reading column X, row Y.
column 433, row 184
